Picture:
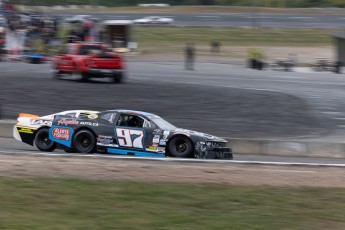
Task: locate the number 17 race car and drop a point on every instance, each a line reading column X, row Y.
column 124, row 132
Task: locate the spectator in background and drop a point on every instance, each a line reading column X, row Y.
column 215, row 47
column 87, row 30
column 189, row 56
column 72, row 37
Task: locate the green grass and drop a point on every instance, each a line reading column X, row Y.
column 173, row 39
column 42, row 203
column 170, row 41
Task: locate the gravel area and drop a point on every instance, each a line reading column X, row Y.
column 22, row 165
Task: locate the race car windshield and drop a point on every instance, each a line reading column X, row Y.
column 163, row 124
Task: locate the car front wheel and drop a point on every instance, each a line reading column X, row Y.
column 180, row 146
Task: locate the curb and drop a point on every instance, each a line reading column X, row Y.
column 327, row 148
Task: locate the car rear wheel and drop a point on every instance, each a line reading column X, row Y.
column 180, row 146
column 84, row 141
column 42, row 141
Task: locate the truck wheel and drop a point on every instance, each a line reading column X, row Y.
column 84, row 77
column 84, row 141
column 42, row 141
column 117, row 78
column 79, row 76
column 180, row 146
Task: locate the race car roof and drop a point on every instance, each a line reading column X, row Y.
column 133, row 112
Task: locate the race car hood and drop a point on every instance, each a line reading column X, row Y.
column 206, row 136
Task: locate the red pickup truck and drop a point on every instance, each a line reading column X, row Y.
column 88, row 60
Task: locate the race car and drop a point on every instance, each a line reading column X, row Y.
column 33, row 129
column 85, row 60
column 128, row 132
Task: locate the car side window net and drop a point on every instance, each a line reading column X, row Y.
column 130, row 121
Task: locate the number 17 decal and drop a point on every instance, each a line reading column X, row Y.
column 130, row 138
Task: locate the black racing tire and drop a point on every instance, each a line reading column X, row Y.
column 84, row 141
column 42, row 141
column 181, row 146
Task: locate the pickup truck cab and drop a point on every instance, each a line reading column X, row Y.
column 88, row 60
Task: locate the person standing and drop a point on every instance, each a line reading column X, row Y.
column 189, row 56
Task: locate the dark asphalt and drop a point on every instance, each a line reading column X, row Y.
column 228, row 112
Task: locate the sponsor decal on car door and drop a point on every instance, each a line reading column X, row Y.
column 61, row 134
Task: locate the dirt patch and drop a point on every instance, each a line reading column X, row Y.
column 21, row 165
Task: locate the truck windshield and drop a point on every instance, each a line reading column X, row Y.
column 89, row 49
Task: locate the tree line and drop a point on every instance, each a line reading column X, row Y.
column 260, row 3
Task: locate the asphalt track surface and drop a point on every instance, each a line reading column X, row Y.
column 220, row 99
column 256, row 19
column 10, row 146
column 216, row 99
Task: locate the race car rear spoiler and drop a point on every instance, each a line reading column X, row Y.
column 27, row 115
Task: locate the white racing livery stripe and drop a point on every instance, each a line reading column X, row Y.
column 192, row 160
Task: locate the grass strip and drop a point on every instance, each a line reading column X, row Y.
column 235, row 42
column 56, row 203
column 170, row 36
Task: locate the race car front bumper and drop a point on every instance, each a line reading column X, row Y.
column 204, row 151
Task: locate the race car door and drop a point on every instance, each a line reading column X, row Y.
column 134, row 132
column 107, row 122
